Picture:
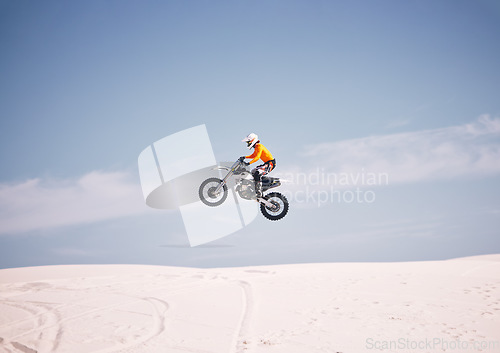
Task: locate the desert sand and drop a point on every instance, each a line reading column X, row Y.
column 436, row 306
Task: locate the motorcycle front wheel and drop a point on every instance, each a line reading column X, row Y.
column 207, row 192
column 279, row 209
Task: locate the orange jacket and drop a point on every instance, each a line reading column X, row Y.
column 260, row 152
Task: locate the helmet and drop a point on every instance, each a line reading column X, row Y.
column 251, row 140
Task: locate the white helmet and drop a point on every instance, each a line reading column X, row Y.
column 251, row 140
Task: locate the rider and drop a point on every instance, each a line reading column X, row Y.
column 260, row 152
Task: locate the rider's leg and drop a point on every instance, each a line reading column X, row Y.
column 257, row 174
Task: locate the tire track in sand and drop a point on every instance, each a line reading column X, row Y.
column 42, row 314
column 241, row 341
column 159, row 309
column 40, row 323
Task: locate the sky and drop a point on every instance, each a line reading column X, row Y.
column 404, row 90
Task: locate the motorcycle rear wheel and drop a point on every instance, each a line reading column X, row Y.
column 280, row 204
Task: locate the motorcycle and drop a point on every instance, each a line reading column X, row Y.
column 213, row 191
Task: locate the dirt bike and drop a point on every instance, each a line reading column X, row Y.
column 213, row 191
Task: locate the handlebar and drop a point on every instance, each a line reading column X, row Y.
column 242, row 161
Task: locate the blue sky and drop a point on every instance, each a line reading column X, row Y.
column 408, row 88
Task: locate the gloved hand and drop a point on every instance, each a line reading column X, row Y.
column 246, row 163
column 241, row 159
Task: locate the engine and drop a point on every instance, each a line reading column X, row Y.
column 246, row 189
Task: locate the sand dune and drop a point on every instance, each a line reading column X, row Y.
column 437, row 306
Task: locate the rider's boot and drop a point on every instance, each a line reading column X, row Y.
column 258, row 188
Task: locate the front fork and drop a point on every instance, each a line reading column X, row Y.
column 219, row 187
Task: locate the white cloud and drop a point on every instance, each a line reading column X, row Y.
column 96, row 196
column 465, row 150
